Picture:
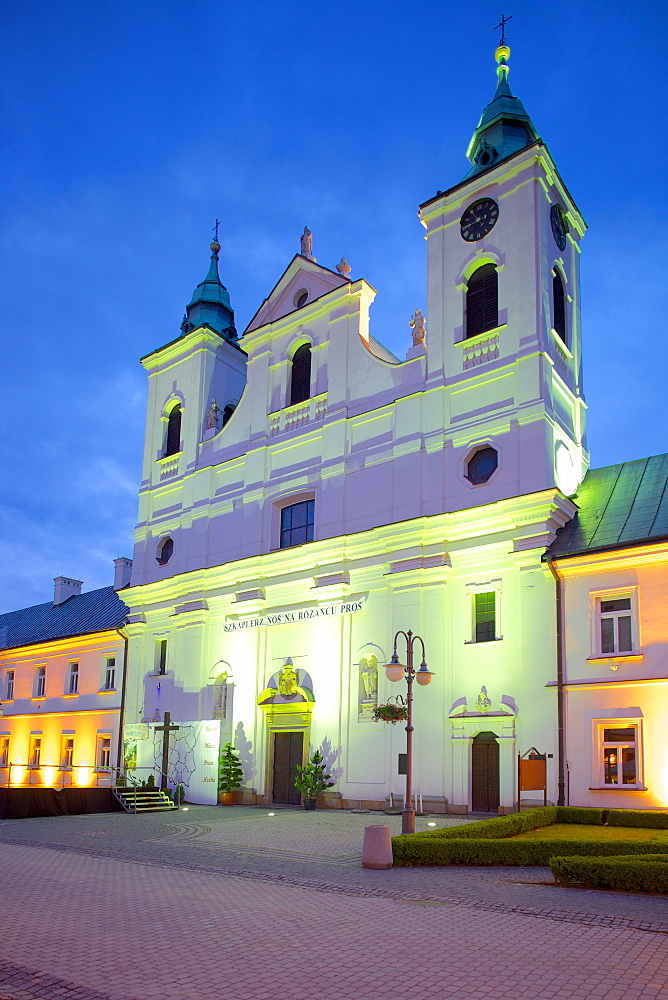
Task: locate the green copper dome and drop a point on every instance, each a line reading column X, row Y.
column 210, row 304
column 504, row 127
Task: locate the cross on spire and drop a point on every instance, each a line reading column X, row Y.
column 215, row 228
column 502, row 25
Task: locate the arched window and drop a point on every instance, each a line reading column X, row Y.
column 300, row 386
column 174, row 431
column 482, row 300
column 228, row 410
column 165, row 551
column 559, row 306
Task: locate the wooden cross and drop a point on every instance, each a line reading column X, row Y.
column 502, row 25
column 165, row 729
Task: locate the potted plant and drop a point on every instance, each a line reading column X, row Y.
column 392, row 712
column 230, row 775
column 312, row 779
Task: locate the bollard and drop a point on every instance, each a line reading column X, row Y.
column 377, row 849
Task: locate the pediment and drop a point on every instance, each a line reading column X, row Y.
column 301, row 275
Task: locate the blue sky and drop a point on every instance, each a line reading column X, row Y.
column 130, row 126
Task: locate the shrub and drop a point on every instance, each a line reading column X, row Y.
column 638, row 817
column 579, row 814
column 312, row 779
column 420, row 849
column 642, row 874
column 230, row 771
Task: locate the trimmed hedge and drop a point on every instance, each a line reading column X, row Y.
column 499, row 827
column 642, row 874
column 637, row 817
column 420, row 849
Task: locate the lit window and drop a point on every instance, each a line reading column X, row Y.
column 615, row 632
column 35, row 751
column 485, row 617
column 40, row 682
column 67, row 752
column 482, row 300
column 9, row 685
column 297, row 523
column 161, row 656
column 618, row 754
column 72, row 686
column 482, row 466
column 4, row 751
column 300, row 385
column 173, row 442
column 103, row 755
column 110, row 674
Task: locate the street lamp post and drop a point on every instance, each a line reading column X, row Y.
column 395, row 671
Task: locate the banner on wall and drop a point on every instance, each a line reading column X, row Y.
column 193, row 758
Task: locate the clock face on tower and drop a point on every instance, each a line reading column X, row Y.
column 559, row 226
column 478, row 220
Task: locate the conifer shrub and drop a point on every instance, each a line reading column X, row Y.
column 648, row 873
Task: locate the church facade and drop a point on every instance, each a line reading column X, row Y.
column 305, row 494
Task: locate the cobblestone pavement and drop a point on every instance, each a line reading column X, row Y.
column 233, row 904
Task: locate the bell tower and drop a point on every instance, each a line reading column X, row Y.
column 503, row 293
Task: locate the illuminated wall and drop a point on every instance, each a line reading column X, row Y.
column 86, row 715
column 617, row 693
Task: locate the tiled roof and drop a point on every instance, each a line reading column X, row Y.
column 619, row 505
column 94, row 611
column 380, row 351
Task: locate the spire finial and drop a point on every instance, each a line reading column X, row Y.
column 502, row 25
column 215, row 246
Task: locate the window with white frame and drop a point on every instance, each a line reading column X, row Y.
column 615, row 631
column 109, row 679
column 4, row 751
column 161, row 656
column 618, row 754
column 103, row 752
column 67, row 752
column 9, row 684
column 35, row 750
column 484, row 616
column 39, row 690
column 72, row 682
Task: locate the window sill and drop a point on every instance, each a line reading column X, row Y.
column 480, row 336
column 561, row 343
column 158, row 673
column 38, row 697
column 482, row 642
column 617, row 657
column 76, row 695
column 107, row 691
column 70, row 769
column 169, row 458
column 619, row 788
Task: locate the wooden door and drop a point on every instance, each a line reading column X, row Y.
column 485, row 773
column 288, row 751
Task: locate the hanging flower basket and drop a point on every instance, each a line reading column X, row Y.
column 390, row 713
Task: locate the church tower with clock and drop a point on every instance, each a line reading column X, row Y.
column 503, row 291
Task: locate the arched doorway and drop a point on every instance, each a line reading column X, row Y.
column 485, row 773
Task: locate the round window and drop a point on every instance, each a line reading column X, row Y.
column 165, row 551
column 301, row 298
column 481, row 466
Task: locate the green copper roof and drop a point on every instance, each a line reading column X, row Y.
column 210, row 304
column 504, row 126
column 619, row 505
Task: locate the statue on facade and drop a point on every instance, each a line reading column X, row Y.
column 417, row 323
column 483, row 702
column 212, row 416
column 369, row 675
column 306, row 243
column 343, row 267
column 288, row 679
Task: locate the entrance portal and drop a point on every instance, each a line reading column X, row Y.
column 288, row 753
column 485, row 773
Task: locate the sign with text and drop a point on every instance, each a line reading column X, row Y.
column 234, row 624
